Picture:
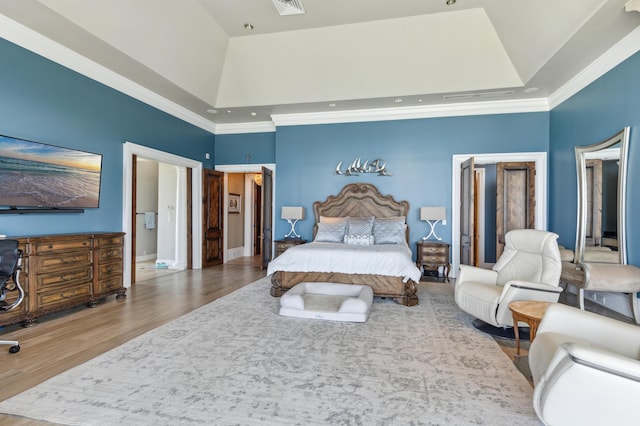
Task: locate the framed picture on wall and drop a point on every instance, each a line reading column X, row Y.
column 235, row 203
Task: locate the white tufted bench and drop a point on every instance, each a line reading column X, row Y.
column 329, row 301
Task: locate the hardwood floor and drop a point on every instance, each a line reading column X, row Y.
column 64, row 340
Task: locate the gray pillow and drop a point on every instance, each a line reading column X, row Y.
column 330, row 232
column 391, row 230
column 360, row 225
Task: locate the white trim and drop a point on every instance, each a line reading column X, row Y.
column 407, row 113
column 540, row 159
column 249, row 229
column 129, row 150
column 605, row 63
column 234, row 128
column 244, row 168
column 47, row 48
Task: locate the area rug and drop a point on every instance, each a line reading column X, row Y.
column 235, row 361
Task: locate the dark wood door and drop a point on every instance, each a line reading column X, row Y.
column 267, row 217
column 515, row 204
column 213, row 221
column 257, row 219
column 467, row 213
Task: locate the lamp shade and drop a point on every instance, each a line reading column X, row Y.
column 292, row 213
column 433, row 213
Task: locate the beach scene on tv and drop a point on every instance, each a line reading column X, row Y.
column 34, row 174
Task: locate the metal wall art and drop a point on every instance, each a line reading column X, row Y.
column 357, row 167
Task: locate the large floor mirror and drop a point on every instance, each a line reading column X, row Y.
column 601, row 221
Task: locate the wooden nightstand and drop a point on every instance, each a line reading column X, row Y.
column 283, row 245
column 432, row 255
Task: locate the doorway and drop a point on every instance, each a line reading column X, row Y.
column 247, row 217
column 481, row 160
column 130, row 152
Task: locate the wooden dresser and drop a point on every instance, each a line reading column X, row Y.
column 63, row 271
column 432, row 255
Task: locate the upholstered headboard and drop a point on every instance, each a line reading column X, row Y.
column 359, row 200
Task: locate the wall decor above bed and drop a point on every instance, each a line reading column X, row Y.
column 342, row 253
column 357, row 167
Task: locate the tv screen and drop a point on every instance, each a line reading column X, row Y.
column 34, row 174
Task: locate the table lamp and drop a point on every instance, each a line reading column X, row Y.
column 433, row 215
column 292, row 215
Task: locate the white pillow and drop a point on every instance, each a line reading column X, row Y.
column 359, row 240
column 360, row 225
column 390, row 230
column 330, row 232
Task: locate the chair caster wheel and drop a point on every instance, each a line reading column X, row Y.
column 14, row 349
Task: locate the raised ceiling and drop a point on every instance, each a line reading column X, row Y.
column 341, row 55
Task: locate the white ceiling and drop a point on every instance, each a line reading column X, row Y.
column 340, row 55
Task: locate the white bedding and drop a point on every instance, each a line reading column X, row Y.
column 378, row 259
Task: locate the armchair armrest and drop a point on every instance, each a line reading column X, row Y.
column 473, row 273
column 524, row 290
column 600, row 359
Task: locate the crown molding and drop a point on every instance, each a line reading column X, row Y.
column 622, row 50
column 408, row 113
column 232, row 128
column 47, row 48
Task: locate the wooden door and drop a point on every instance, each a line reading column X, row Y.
column 267, row 219
column 467, row 213
column 257, row 219
column 515, row 203
column 213, row 221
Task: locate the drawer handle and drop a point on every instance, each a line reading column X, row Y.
column 64, row 296
column 73, row 260
column 110, row 269
column 109, row 254
column 63, row 277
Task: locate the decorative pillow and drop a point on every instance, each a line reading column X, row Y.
column 330, row 219
column 391, row 230
column 360, row 225
column 359, row 240
column 330, row 232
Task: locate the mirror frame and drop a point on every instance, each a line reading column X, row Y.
column 582, row 154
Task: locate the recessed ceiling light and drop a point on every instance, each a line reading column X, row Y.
column 228, row 111
column 332, row 105
column 248, row 26
column 253, row 114
column 212, row 111
column 420, row 101
column 397, row 100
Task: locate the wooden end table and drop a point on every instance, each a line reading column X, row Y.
column 529, row 311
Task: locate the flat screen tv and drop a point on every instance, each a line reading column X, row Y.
column 42, row 176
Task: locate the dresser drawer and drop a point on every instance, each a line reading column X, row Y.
column 109, row 254
column 111, row 240
column 44, row 247
column 433, row 259
column 108, row 284
column 63, row 260
column 65, row 277
column 67, row 294
column 109, row 269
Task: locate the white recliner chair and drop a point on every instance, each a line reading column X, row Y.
column 529, row 269
column 585, row 368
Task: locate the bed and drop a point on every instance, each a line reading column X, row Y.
column 387, row 268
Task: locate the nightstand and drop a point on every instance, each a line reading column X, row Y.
column 432, row 255
column 283, row 245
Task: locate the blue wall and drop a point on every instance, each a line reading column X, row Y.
column 594, row 114
column 234, row 149
column 45, row 102
column 418, row 154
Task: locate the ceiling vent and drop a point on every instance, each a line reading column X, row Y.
column 477, row 95
column 289, row 7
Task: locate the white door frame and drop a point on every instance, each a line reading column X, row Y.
column 540, row 158
column 248, row 200
column 129, row 150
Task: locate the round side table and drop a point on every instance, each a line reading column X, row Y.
column 529, row 311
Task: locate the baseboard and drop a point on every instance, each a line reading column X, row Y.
column 235, row 253
column 145, row 257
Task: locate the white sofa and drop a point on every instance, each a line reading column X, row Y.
column 585, row 368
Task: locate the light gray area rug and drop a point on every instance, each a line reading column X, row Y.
column 235, row 361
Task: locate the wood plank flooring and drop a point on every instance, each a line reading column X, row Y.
column 64, row 340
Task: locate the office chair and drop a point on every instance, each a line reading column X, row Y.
column 10, row 260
